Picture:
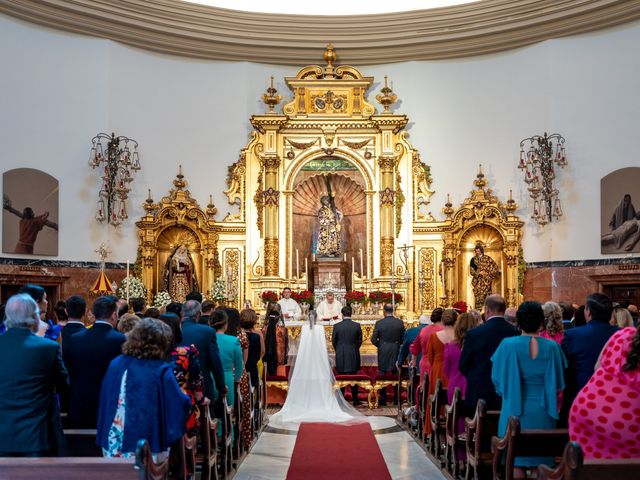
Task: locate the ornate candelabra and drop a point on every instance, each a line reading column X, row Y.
column 537, row 163
column 119, row 164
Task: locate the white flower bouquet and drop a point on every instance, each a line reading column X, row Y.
column 218, row 291
column 135, row 288
column 162, row 299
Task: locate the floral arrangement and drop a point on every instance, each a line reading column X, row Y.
column 218, row 291
column 461, row 306
column 269, row 296
column 162, row 299
column 135, row 288
column 355, row 296
column 305, row 297
column 379, row 296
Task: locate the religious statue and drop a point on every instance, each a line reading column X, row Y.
column 329, row 236
column 484, row 271
column 179, row 274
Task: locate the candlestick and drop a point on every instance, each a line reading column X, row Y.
column 393, row 264
column 353, row 272
column 361, row 265
column 127, row 281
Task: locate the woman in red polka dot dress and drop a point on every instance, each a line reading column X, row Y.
column 605, row 416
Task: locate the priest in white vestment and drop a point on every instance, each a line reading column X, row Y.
column 289, row 307
column 329, row 309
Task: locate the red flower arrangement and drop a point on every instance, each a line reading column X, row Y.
column 305, row 297
column 355, row 296
column 379, row 296
column 269, row 296
column 461, row 306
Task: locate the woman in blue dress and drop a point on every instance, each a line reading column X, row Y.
column 528, row 372
column 231, row 357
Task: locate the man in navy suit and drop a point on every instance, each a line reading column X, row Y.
column 479, row 346
column 87, row 355
column 204, row 338
column 32, row 371
column 75, row 306
column 583, row 345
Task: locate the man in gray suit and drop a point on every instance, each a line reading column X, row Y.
column 346, row 339
column 387, row 336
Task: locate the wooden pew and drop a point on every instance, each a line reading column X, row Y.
column 83, row 468
column 239, row 406
column 404, row 375
column 455, row 437
column 479, row 431
column 438, row 401
column 80, row 443
column 527, row 443
column 225, row 443
column 207, row 454
column 423, row 404
column 574, row 467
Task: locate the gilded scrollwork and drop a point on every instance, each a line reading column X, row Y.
column 422, row 192
column 271, row 163
column 232, row 276
column 236, row 184
column 271, row 197
column 386, row 256
column 302, row 145
column 356, row 145
column 387, row 164
column 400, row 199
column 258, row 200
column 428, row 276
column 387, row 197
column 271, row 257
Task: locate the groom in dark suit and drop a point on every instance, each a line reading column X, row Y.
column 346, row 339
column 479, row 346
column 387, row 336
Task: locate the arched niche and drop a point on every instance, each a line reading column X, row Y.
column 347, row 185
column 174, row 221
column 481, row 218
column 492, row 241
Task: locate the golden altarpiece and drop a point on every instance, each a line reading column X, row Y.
column 329, row 137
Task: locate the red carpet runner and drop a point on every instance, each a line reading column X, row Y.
column 347, row 452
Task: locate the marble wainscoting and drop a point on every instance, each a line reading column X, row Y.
column 61, row 278
column 574, row 280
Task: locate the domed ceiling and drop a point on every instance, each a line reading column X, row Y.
column 201, row 31
column 329, row 7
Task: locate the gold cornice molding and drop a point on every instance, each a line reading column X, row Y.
column 181, row 28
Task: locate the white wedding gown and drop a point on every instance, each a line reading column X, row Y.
column 311, row 396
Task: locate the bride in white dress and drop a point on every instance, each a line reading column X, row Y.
column 311, row 396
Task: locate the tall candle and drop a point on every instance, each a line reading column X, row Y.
column 127, row 281
column 297, row 265
column 345, row 257
column 361, row 265
column 353, row 271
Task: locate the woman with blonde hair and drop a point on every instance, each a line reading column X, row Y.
column 452, row 352
column 621, row 317
column 553, row 328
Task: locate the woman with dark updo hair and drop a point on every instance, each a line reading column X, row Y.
column 528, row 373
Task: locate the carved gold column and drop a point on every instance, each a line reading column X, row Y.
column 271, row 197
column 449, row 275
column 387, row 213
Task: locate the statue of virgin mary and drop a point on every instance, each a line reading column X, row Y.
column 179, row 274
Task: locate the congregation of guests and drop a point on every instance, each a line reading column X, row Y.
column 158, row 369
column 551, row 365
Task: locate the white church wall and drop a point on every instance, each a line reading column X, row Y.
column 60, row 89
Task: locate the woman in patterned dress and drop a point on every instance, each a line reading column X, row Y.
column 140, row 397
column 605, row 416
column 186, row 368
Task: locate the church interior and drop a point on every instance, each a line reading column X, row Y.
column 430, row 155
